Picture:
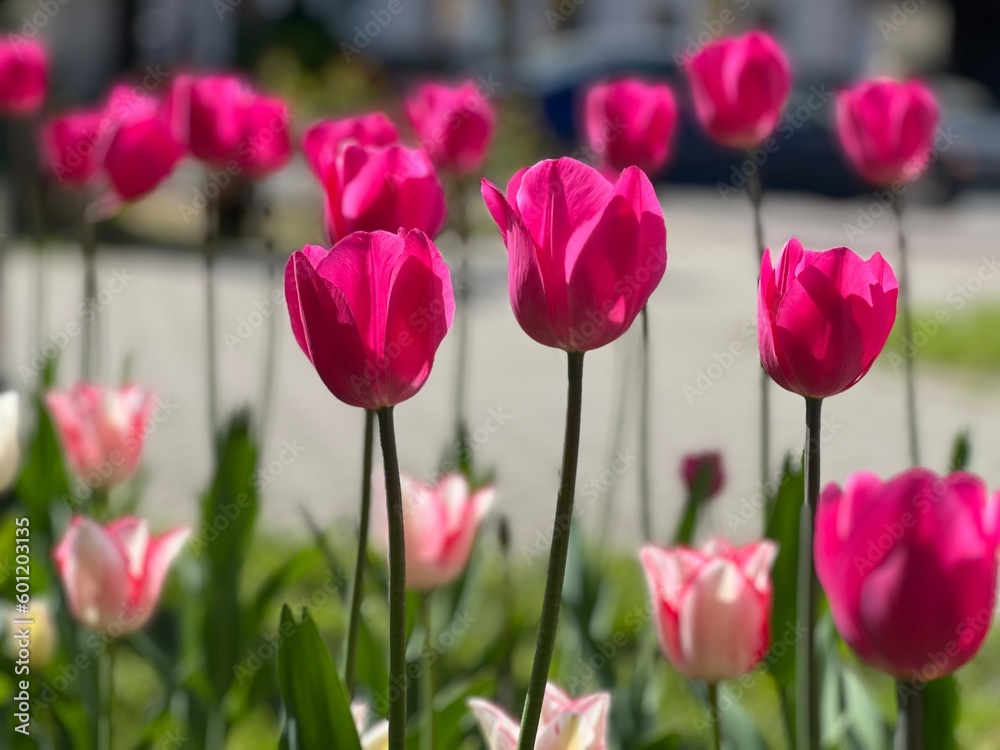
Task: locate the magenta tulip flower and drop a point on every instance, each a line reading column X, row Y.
column 73, row 145
column 441, row 523
column 740, row 87
column 630, row 123
column 712, row 606
column 584, row 254
column 143, row 151
column 370, row 313
column 321, row 141
column 909, row 565
column 24, row 76
column 823, row 317
column 699, row 467
column 886, row 128
column 103, row 430
column 208, row 115
column 266, row 145
column 113, row 574
column 382, row 188
column 454, row 124
column 567, row 723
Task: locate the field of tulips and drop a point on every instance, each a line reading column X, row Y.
column 856, row 618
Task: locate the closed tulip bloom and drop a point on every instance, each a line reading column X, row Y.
column 10, row 444
column 143, row 151
column 266, row 145
column 43, row 633
column 566, row 723
column 909, row 565
column 740, row 87
column 370, row 313
column 387, row 188
column 24, row 76
column 207, row 113
column 630, row 123
column 711, row 606
column 454, row 124
column 112, row 575
column 103, row 430
column 441, row 522
column 584, row 254
column 73, row 145
column 886, row 128
column 322, row 141
column 703, row 472
column 823, row 317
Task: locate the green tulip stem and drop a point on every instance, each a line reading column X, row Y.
column 211, row 362
column 910, row 725
column 397, row 582
column 358, row 590
column 549, row 620
column 714, row 718
column 909, row 351
column 88, row 341
column 427, row 676
column 645, row 455
column 807, row 596
column 756, row 190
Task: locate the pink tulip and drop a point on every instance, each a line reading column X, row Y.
column 712, row 606
column 740, row 87
column 566, row 723
column 910, row 568
column 631, row 123
column 389, row 188
column 226, row 123
column 695, row 466
column 886, row 128
column 823, row 317
column 370, row 313
column 24, row 76
column 584, row 254
column 266, row 145
column 103, row 430
column 441, row 522
column 73, row 146
column 321, row 142
column 143, row 150
column 454, row 124
column 113, row 574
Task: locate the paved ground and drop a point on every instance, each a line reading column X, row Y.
column 705, row 396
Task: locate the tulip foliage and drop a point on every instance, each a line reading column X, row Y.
column 431, row 627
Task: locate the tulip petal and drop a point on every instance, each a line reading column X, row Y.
column 93, row 572
column 499, row 730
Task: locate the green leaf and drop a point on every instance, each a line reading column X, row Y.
column 960, row 452
column 229, row 514
column 318, row 711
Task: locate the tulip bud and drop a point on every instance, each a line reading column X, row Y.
column 740, row 87
column 454, row 125
column 703, row 475
column 566, row 723
column 112, row 575
column 73, row 145
column 24, row 75
column 711, row 606
column 103, row 430
column 823, row 317
column 886, row 128
column 584, row 254
column 909, row 565
column 321, row 142
column 440, row 521
column 630, row 123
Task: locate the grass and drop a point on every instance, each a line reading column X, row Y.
column 967, row 340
